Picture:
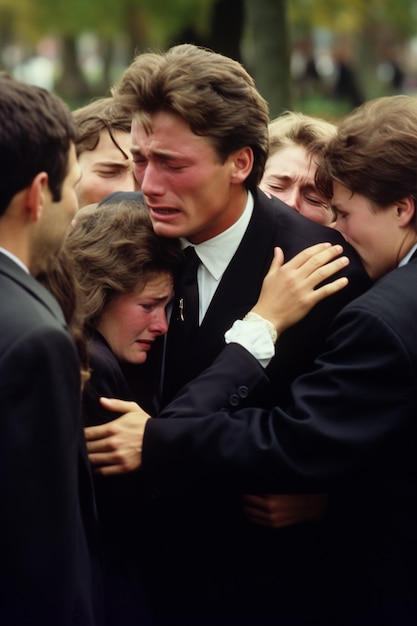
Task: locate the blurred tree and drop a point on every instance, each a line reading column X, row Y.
column 139, row 24
column 259, row 33
column 227, row 27
column 269, row 51
column 222, row 31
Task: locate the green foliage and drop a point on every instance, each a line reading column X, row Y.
column 167, row 18
column 353, row 16
column 369, row 28
column 159, row 20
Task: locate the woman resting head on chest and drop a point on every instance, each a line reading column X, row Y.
column 125, row 273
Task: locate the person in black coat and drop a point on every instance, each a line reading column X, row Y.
column 48, row 528
column 199, row 144
column 350, row 426
column 125, row 275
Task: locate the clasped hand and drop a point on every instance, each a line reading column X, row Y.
column 116, row 447
column 280, row 510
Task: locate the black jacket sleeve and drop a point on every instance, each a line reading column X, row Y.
column 354, row 409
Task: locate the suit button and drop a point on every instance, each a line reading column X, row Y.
column 243, row 391
column 234, row 399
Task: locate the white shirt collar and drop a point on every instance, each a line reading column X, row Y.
column 14, row 258
column 216, row 253
column 408, row 256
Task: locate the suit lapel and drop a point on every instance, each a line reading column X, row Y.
column 31, row 285
column 241, row 282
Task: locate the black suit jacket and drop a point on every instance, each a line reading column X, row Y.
column 119, row 502
column 350, row 429
column 213, row 510
column 273, row 224
column 49, row 547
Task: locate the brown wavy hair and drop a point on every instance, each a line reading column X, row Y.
column 374, row 152
column 115, row 250
column 93, row 118
column 210, row 92
column 294, row 127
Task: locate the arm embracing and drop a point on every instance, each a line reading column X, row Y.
column 340, row 417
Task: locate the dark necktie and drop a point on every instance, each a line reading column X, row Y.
column 183, row 326
column 185, row 314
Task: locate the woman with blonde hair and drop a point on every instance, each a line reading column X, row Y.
column 296, row 142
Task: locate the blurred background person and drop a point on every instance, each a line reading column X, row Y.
column 346, row 86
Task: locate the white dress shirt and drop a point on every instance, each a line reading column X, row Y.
column 216, row 254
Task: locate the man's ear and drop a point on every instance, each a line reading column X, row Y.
column 242, row 164
column 405, row 211
column 35, row 195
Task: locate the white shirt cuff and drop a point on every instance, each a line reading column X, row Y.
column 255, row 337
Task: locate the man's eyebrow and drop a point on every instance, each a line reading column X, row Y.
column 123, row 165
column 282, row 176
column 310, row 186
column 159, row 154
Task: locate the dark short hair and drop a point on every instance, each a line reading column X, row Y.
column 36, row 131
column 210, row 92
